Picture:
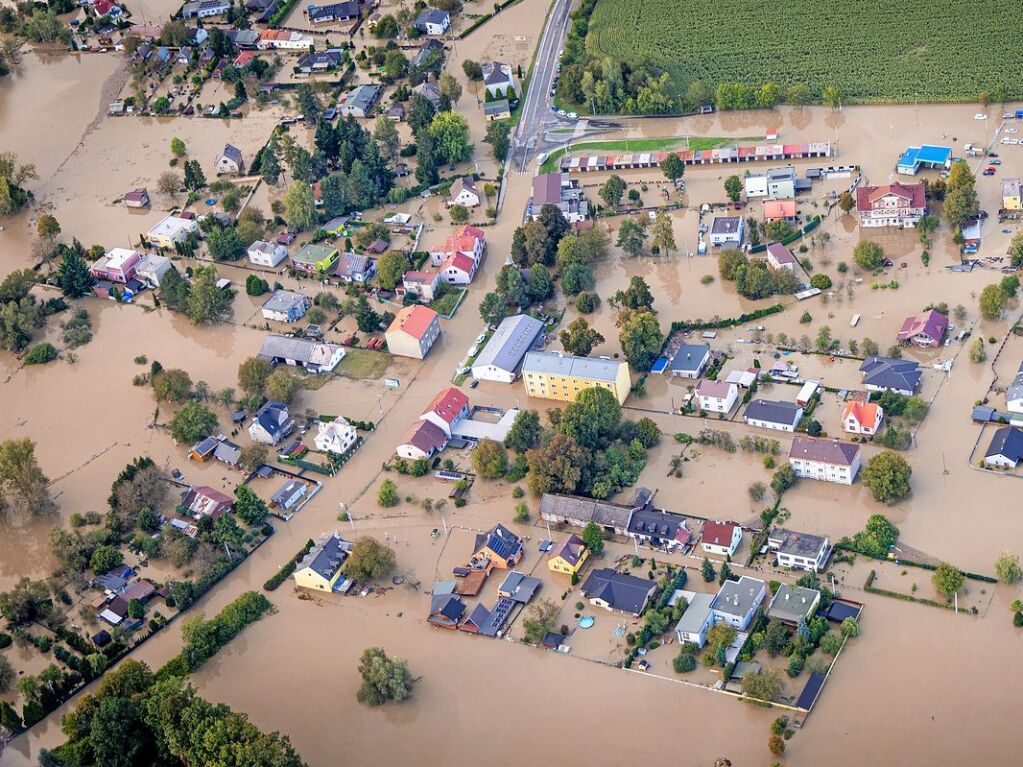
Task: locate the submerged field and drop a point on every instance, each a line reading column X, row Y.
column 873, row 52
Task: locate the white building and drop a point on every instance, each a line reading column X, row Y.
column 172, row 231
column 768, row 414
column 335, row 436
column 262, row 253
column 1014, row 394
column 727, row 231
column 696, row 620
column 501, row 359
column 799, row 551
column 717, row 396
column 152, row 269
column 827, row 460
column 862, row 417
column 721, row 538
column 736, row 602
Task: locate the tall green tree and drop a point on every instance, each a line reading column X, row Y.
column 299, row 206
column 207, row 304
column 73, row 275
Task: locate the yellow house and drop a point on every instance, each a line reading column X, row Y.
column 321, row 568
column 552, row 375
column 1011, row 197
column 568, row 556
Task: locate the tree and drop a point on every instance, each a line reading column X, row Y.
column 252, row 374
column 1007, row 568
column 846, row 202
column 729, row 261
column 497, row 137
column 593, row 420
column 641, row 339
column 192, row 423
column 558, row 466
column 171, row 385
column 29, row 600
column 472, row 69
column 299, row 206
column 820, row 281
column 383, row 678
column 707, row 570
column 782, row 480
column 612, row 190
column 459, row 214
column 225, row 244
column 672, row 167
column 248, row 506
column 449, row 87
column 579, row 338
column 593, row 537
column 387, row 496
column 195, row 179
column 1016, row 250
column 776, row 636
column 282, row 385
column 270, row 163
column 541, row 284
column 512, row 287
column 47, row 227
column 525, row 431
column 391, row 266
column 948, row 579
column 177, row 147
column 386, row 28
column 490, row 459
column 104, row 559
column 725, row 574
column 115, row 732
column 256, row 285
column 385, row 132
column 831, row 96
column 369, row 559
column 450, row 133
column 868, row 256
column 7, row 677
column 576, row 278
column 73, row 275
column 992, row 302
column 631, row 237
column 887, row 475
column 493, row 308
column 733, row 188
column 978, row 353
column 253, row 456
column 850, row 627
column 207, row 304
column 22, row 481
column 757, row 490
column 776, row 744
column 168, row 183
column 1009, row 285
column 664, row 234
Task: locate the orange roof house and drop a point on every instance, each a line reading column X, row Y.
column 779, row 210
column 414, row 330
column 862, row 417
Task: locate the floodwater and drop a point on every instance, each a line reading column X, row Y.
column 921, row 686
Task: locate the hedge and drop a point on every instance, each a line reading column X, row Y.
column 814, row 222
column 846, row 545
column 281, row 13
column 871, row 589
column 285, row 572
column 726, row 323
column 484, row 19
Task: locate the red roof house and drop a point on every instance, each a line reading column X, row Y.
column 900, row 205
column 422, row 440
column 721, row 537
column 779, row 210
column 458, row 269
column 448, row 408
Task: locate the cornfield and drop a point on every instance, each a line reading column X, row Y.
column 871, row 51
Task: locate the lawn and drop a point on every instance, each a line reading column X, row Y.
column 363, row 363
column 696, row 143
column 448, row 302
column 872, row 52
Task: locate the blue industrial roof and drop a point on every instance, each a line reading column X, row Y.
column 927, row 154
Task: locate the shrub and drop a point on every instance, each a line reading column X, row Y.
column 684, row 662
column 41, row 353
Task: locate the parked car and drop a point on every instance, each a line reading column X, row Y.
column 988, row 172
column 980, row 116
column 996, row 162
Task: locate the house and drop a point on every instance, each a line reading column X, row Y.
column 777, row 183
column 116, row 265
column 659, row 529
column 498, row 81
column 137, row 198
column 321, row 61
column 422, row 284
column 488, row 622
column 229, row 160
column 202, row 9
column 227, row 452
column 612, row 590
column 152, row 269
column 889, row 374
column 425, row 55
column 721, row 538
column 337, row 436
column 324, row 14
column 263, row 253
column 923, row 330
column 807, row 392
column 1006, row 448
column 499, row 547
column 927, row 156
column 396, row 113
column 413, row 331
column 862, row 417
column 313, row 259
column 792, row 603
column 107, row 8
column 270, row 39
column 552, row 375
column 561, row 191
column 780, row 257
column 203, row 450
column 497, row 110
column 320, row 569
column 612, row 518
column 185, row 55
column 360, row 100
column 1014, row 394
column 780, row 210
column 568, row 555
column 900, row 205
column 458, row 269
column 1012, row 196
column 463, row 192
column 243, row 59
column 314, row 356
column 469, row 241
column 736, row 602
column 769, row 414
column 828, row 460
column 433, row 22
column 248, row 38
column 799, row 551
column 173, row 231
column 519, row 587
column 285, row 306
column 446, row 611
column 423, row 439
column 716, row 396
column 696, row 620
column 355, row 267
column 271, row 423
column 689, row 361
column 501, row 359
column 744, row 379
column 448, row 408
column 727, row 231
column 289, row 494
column 203, row 501
column 430, row 91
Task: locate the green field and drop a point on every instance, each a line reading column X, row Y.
column 364, row 363
column 696, row 143
column 871, row 51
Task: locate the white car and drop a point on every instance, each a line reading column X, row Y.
column 980, row 116
column 1010, row 140
column 572, row 116
column 1011, row 130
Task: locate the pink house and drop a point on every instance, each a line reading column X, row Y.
column 118, row 265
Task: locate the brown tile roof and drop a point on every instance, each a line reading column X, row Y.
column 830, row 451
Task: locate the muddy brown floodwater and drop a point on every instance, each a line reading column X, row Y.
column 920, row 686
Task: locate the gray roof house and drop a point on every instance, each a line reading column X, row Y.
column 446, row 610
column 887, row 373
column 689, row 361
column 1014, row 394
column 360, row 101
column 799, row 551
column 321, row 61
column 579, row 512
column 770, row 414
column 693, row 625
column 791, row 603
column 271, row 423
column 429, row 91
column 736, row 602
column 230, row 160
column 285, row 306
column 659, row 529
column 289, row 494
column 519, row 587
column 314, row 356
column 433, row 21
column 727, row 230
column 1006, row 448
column 325, row 559
column 501, row 359
column 613, row 590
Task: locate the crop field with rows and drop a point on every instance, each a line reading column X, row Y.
column 921, row 50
